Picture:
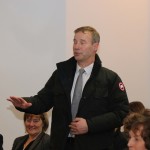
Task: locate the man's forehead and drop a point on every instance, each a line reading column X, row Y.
column 82, row 35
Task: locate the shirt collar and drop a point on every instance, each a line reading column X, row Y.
column 87, row 69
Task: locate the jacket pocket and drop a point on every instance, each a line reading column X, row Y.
column 101, row 93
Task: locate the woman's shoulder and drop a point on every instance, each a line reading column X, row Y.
column 45, row 140
column 22, row 137
column 45, row 135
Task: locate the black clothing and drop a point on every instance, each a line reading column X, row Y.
column 104, row 104
column 1, row 142
column 42, row 142
column 120, row 140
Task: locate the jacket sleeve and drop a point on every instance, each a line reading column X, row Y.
column 46, row 142
column 15, row 144
column 43, row 101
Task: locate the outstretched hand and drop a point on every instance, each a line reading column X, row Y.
column 19, row 102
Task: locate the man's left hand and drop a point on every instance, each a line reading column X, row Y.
column 78, row 126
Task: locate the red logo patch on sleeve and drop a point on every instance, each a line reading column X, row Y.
column 121, row 86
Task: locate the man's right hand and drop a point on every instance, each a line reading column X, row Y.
column 19, row 102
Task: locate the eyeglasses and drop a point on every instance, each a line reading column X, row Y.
column 33, row 120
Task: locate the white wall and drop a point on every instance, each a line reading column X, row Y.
column 125, row 38
column 35, row 34
column 32, row 40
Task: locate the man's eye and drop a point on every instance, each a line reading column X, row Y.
column 82, row 43
column 74, row 41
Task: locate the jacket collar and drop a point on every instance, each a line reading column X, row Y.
column 68, row 68
column 66, row 71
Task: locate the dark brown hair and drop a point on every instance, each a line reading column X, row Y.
column 136, row 106
column 144, row 127
column 130, row 119
column 146, row 112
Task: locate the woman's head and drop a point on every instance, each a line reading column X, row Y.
column 146, row 132
column 139, row 135
column 136, row 107
column 36, row 124
column 130, row 119
column 136, row 141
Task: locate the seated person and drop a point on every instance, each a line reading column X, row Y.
column 139, row 135
column 137, row 107
column 1, row 142
column 120, row 137
column 129, row 120
column 36, row 138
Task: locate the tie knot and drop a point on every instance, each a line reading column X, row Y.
column 81, row 71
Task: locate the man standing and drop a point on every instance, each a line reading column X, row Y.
column 87, row 106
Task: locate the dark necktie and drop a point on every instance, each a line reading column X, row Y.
column 77, row 94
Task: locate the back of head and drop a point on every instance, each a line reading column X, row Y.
column 146, row 112
column 136, row 106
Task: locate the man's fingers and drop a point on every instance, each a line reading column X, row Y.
column 19, row 102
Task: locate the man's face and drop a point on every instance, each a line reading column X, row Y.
column 83, row 48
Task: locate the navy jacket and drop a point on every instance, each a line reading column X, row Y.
column 104, row 104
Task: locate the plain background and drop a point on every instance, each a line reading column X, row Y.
column 36, row 34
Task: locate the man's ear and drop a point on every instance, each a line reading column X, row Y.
column 96, row 45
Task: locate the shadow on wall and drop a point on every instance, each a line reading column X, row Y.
column 19, row 115
column 15, row 112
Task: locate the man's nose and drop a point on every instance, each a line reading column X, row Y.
column 77, row 46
